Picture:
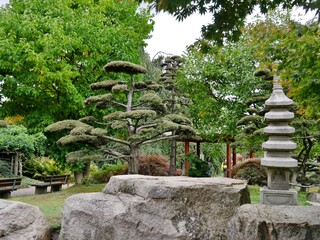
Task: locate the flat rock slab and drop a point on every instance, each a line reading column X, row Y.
column 139, row 207
column 20, row 221
column 252, row 222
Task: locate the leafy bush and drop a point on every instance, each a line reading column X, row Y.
column 153, row 165
column 26, row 182
column 197, row 166
column 38, row 167
column 17, row 139
column 108, row 170
column 251, row 171
column 5, row 170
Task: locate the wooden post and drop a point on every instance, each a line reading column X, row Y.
column 234, row 157
column 12, row 165
column 20, row 168
column 16, row 164
column 186, row 151
column 198, row 149
column 228, row 160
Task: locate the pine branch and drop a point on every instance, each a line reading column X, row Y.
column 115, row 153
column 115, row 140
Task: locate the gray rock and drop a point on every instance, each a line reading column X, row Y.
column 314, row 197
column 139, row 207
column 252, row 222
column 20, row 221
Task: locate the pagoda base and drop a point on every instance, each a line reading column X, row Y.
column 278, row 197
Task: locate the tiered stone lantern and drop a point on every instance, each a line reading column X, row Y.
column 277, row 158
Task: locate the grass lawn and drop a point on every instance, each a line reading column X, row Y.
column 51, row 204
column 255, row 195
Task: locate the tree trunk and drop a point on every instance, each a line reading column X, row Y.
column 173, row 157
column 86, row 171
column 16, row 164
column 133, row 164
column 78, row 176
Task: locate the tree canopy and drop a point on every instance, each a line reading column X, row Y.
column 16, row 139
column 218, row 82
column 295, row 48
column 227, row 16
column 136, row 116
column 50, row 51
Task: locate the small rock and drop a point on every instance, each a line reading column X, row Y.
column 20, row 221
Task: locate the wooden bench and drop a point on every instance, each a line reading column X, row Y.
column 54, row 181
column 7, row 185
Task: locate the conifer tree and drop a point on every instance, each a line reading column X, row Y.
column 252, row 123
column 134, row 115
column 176, row 100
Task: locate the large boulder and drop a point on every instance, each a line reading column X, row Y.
column 139, row 207
column 20, row 221
column 253, row 222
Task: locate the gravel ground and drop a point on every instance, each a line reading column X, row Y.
column 30, row 191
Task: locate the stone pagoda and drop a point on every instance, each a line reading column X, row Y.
column 277, row 149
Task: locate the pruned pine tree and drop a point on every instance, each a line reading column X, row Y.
column 307, row 136
column 252, row 123
column 138, row 117
column 175, row 99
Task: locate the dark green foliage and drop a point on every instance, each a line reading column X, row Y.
column 51, row 51
column 16, row 139
column 133, row 118
column 250, row 136
column 104, row 174
column 153, row 165
column 307, row 136
column 5, row 170
column 197, row 166
column 251, row 171
column 38, row 167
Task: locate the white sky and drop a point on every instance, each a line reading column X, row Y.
column 171, row 36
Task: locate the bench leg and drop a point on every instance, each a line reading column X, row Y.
column 41, row 189
column 5, row 194
column 56, row 188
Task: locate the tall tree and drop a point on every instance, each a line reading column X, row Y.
column 140, row 118
column 218, row 81
column 176, row 100
column 50, row 51
column 296, row 48
column 227, row 16
column 251, row 136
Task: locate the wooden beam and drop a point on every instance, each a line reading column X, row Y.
column 186, row 151
column 228, row 160
column 198, row 149
column 234, row 157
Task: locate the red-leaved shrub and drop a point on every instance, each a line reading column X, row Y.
column 153, row 165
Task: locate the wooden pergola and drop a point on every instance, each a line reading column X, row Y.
column 231, row 155
column 14, row 161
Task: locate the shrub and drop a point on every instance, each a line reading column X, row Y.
column 153, row 165
column 251, row 171
column 107, row 171
column 5, row 170
column 38, row 167
column 197, row 166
